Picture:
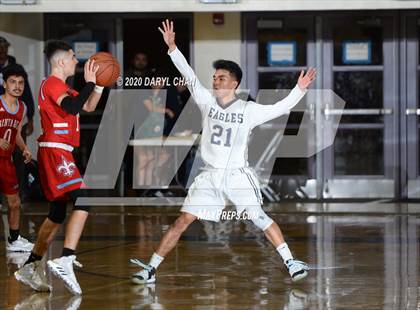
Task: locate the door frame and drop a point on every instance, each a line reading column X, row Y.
column 410, row 75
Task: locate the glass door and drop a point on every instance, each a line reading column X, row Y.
column 278, row 48
column 361, row 67
column 411, row 117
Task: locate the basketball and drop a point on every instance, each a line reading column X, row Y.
column 109, row 69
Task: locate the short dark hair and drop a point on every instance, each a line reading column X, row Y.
column 14, row 69
column 3, row 41
column 52, row 46
column 230, row 66
column 140, row 52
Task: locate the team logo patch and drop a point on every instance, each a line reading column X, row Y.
column 66, row 168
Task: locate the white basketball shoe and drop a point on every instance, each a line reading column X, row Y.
column 62, row 267
column 297, row 269
column 33, row 274
column 144, row 276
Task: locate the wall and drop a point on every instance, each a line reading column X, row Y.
column 196, row 6
column 215, row 42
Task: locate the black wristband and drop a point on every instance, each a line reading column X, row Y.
column 74, row 105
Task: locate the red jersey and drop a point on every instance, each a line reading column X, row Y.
column 9, row 125
column 57, row 125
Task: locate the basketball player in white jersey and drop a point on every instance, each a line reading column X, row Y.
column 227, row 124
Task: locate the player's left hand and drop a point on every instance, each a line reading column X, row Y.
column 168, row 34
column 27, row 156
column 306, row 79
column 90, row 71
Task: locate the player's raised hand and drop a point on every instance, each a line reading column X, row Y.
column 306, row 79
column 90, row 71
column 4, row 144
column 26, row 155
column 168, row 34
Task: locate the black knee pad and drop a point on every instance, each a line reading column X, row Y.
column 82, row 208
column 73, row 197
column 58, row 211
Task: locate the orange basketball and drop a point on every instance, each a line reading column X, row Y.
column 109, row 69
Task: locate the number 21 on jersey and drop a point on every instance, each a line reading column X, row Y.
column 216, row 136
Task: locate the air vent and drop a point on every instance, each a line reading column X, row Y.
column 270, row 24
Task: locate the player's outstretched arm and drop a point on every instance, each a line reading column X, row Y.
column 200, row 94
column 264, row 113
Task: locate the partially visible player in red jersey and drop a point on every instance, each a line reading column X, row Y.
column 59, row 107
column 12, row 113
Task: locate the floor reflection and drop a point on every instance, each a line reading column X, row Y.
column 365, row 260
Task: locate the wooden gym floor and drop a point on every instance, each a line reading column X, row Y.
column 362, row 256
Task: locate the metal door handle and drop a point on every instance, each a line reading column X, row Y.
column 358, row 112
column 412, row 112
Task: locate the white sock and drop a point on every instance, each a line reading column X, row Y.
column 156, row 260
column 284, row 252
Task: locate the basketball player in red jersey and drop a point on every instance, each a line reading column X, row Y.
column 59, row 107
column 12, row 113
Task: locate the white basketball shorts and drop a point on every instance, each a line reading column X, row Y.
column 214, row 188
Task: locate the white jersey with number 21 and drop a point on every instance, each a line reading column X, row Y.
column 226, row 129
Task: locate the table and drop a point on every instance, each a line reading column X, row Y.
column 172, row 141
